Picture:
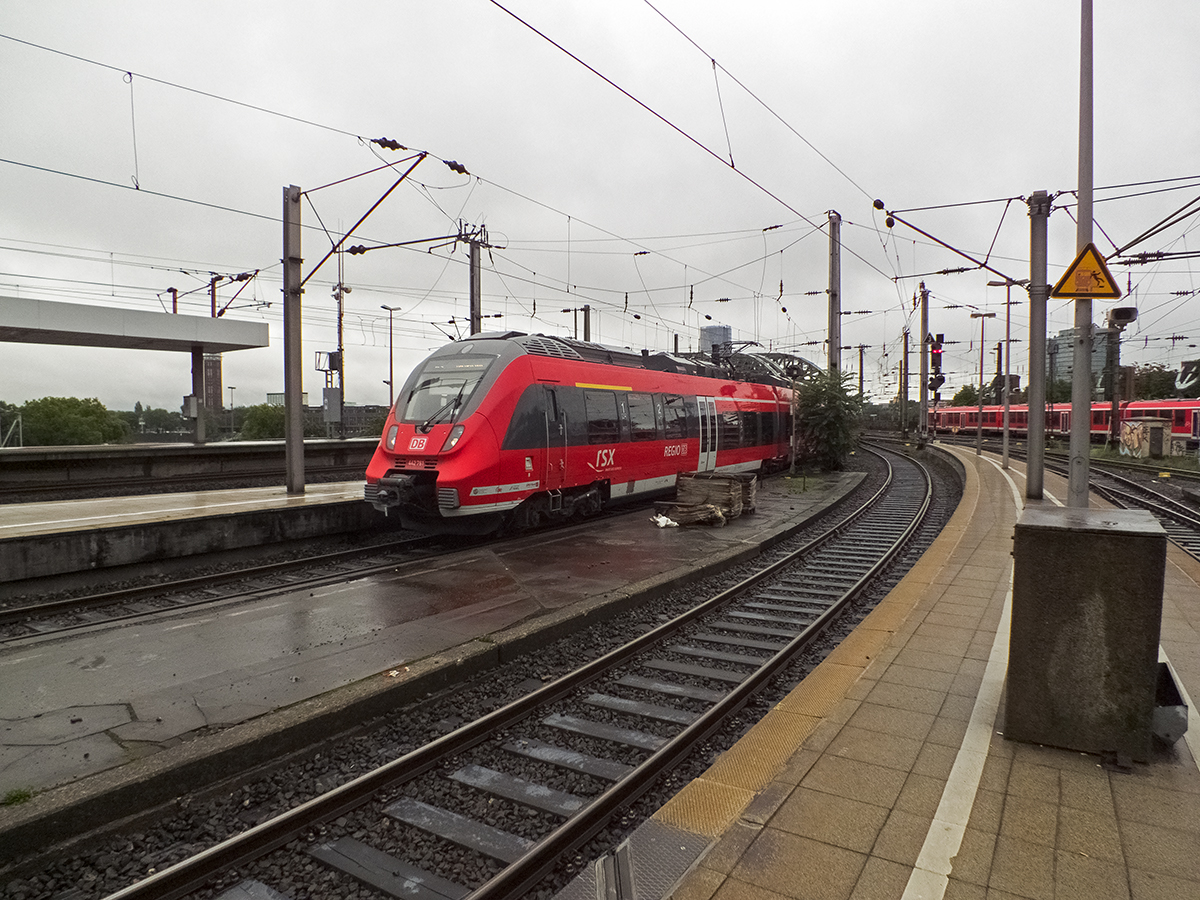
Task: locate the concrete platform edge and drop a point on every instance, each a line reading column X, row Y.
column 41, row 556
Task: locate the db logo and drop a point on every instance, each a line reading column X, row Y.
column 605, row 458
column 417, row 443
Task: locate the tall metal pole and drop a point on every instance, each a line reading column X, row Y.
column 861, row 348
column 982, row 317
column 198, row 390
column 340, row 294
column 1039, row 291
column 476, row 302
column 904, row 389
column 391, row 355
column 1114, row 368
column 1081, row 382
column 1007, row 366
column 587, row 322
column 835, row 291
column 923, row 427
column 293, row 382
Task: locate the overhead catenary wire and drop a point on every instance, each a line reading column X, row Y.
column 369, row 143
column 760, row 102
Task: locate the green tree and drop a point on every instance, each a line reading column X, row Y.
column 164, row 421
column 262, row 422
column 967, row 395
column 828, row 419
column 1154, row 382
column 59, row 421
column 265, row 422
column 1058, row 391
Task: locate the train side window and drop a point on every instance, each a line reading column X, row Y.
column 675, row 417
column 731, row 429
column 527, row 428
column 767, row 420
column 603, row 420
column 750, row 428
column 642, row 424
column 571, row 408
column 1180, row 418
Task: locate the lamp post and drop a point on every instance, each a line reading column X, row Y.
column 979, row 422
column 231, row 390
column 1007, row 283
column 391, row 376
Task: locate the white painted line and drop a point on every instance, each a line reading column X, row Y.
column 931, row 876
column 1192, row 736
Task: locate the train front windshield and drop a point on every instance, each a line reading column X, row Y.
column 442, row 389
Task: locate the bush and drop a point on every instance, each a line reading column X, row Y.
column 828, row 420
column 265, row 422
column 61, row 421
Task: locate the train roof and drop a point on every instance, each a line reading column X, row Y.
column 740, row 366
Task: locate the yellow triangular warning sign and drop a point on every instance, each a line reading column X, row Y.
column 1088, row 276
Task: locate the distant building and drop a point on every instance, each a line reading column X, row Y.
column 1060, row 354
column 277, row 399
column 212, row 382
column 714, row 334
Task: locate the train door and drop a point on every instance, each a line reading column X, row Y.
column 1064, row 423
column 1196, row 423
column 708, row 434
column 556, row 442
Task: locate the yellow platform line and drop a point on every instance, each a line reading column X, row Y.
column 712, row 803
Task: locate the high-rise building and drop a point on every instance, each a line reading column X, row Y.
column 714, row 334
column 1060, row 355
column 212, row 381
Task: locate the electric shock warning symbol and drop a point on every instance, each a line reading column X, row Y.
column 1088, row 276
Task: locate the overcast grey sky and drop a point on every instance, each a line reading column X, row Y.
column 587, row 196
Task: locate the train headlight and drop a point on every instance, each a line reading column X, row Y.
column 390, row 443
column 455, row 433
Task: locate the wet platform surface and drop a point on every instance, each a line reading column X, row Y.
column 60, row 539
column 99, row 702
column 886, row 773
column 54, row 517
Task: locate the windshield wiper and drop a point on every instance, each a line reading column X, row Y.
column 425, row 426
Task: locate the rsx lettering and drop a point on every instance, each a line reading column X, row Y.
column 605, row 458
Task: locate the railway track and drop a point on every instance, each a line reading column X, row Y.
column 490, row 808
column 1180, row 521
column 61, row 616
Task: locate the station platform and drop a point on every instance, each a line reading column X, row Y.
column 887, row 774
column 101, row 724
column 39, row 540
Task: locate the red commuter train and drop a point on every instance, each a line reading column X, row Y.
column 510, row 427
column 1184, row 416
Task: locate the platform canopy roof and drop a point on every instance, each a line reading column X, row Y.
column 78, row 325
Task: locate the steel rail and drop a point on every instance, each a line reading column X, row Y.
column 19, row 614
column 178, row 880
column 541, row 859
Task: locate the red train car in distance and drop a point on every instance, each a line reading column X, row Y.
column 1184, row 416
column 510, row 427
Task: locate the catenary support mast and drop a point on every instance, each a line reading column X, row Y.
column 293, row 408
column 1081, row 381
